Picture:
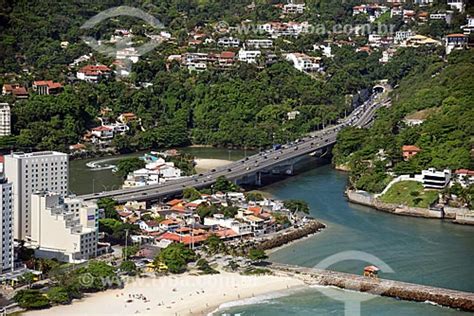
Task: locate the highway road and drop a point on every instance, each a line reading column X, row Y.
column 361, row 117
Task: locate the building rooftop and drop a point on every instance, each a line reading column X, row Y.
column 20, row 154
column 410, row 148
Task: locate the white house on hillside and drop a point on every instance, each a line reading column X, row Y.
column 249, row 56
column 305, row 63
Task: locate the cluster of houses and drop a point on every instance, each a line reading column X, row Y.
column 177, row 221
column 409, row 39
column 157, row 170
column 222, row 60
column 434, row 179
column 261, row 51
column 105, row 133
column 40, row 87
column 258, row 51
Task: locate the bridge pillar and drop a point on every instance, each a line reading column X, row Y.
column 258, row 178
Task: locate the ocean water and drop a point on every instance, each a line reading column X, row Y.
column 424, row 251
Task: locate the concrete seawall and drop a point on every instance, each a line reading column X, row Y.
column 396, row 289
column 459, row 216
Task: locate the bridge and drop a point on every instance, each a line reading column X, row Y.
column 252, row 167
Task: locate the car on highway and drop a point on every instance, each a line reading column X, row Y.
column 213, row 170
column 229, row 170
column 276, row 158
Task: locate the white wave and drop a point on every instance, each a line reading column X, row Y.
column 259, row 299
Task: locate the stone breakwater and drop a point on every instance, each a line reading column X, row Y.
column 396, row 289
column 309, row 228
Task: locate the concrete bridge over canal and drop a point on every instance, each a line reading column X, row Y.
column 250, row 169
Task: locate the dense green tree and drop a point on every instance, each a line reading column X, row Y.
column 97, row 276
column 224, row 185
column 176, row 257
column 254, row 196
column 58, row 295
column 296, row 206
column 125, row 166
column 256, row 254
column 191, row 194
column 214, row 244
column 129, row 267
column 31, row 299
column 108, row 204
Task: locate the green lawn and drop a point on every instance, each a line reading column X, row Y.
column 409, row 193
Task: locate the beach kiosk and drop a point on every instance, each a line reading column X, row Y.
column 371, row 271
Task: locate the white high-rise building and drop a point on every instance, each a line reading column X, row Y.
column 457, row 4
column 5, row 119
column 31, row 172
column 6, row 246
column 65, row 229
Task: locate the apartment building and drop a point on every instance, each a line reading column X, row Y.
column 249, row 56
column 5, row 119
column 294, row 8
column 6, row 246
column 457, row 4
column 259, row 43
column 455, row 42
column 433, row 179
column 65, row 229
column 31, row 172
column 228, row 42
column 240, row 228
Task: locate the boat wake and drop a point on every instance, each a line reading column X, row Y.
column 101, row 164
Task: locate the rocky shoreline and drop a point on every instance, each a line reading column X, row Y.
column 308, row 229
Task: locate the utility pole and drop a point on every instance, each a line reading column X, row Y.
column 126, row 243
column 74, row 258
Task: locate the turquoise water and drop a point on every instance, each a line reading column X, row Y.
column 422, row 251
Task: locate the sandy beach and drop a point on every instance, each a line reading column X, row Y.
column 207, row 164
column 175, row 295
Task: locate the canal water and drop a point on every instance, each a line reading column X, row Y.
column 424, row 251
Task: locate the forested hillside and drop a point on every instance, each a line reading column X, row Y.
column 245, row 106
column 445, row 93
